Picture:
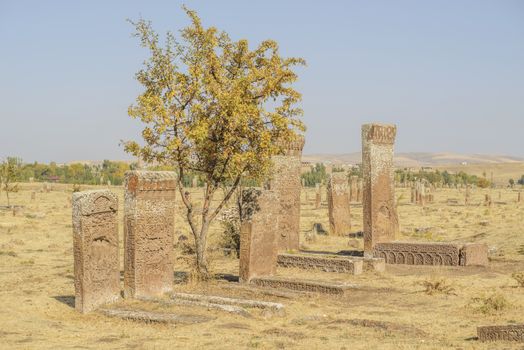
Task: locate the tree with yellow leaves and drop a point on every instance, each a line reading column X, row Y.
column 213, row 106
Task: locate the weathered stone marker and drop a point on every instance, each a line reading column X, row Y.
column 149, row 215
column 259, row 239
column 286, row 183
column 379, row 210
column 511, row 332
column 338, row 204
column 95, row 247
column 353, row 188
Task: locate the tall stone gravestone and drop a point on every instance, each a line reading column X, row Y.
column 379, row 210
column 286, row 183
column 338, row 204
column 95, row 247
column 259, row 237
column 149, row 215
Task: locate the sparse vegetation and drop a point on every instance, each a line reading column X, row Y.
column 519, row 277
column 437, row 285
column 490, row 304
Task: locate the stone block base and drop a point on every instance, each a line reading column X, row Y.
column 506, row 333
column 474, row 254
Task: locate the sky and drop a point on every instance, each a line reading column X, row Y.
column 448, row 73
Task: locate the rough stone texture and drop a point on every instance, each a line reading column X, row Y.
column 514, row 332
column 302, row 285
column 412, row 253
column 259, row 239
column 149, row 215
column 360, row 190
column 95, row 247
column 338, row 204
column 318, row 200
column 155, row 317
column 474, row 254
column 286, row 183
column 229, row 301
column 324, row 263
column 379, row 210
column 371, row 264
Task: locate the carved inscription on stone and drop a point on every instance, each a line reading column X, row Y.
column 95, row 246
column 379, row 209
column 323, row 263
column 412, row 253
column 299, row 285
column 259, row 239
column 513, row 332
column 338, row 204
column 149, row 215
column 286, row 182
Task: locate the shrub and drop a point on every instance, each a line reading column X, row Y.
column 519, row 277
column 437, row 286
column 490, row 304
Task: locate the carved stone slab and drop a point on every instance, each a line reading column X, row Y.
column 286, row 183
column 414, row 253
column 95, row 247
column 319, row 262
column 338, row 204
column 149, row 215
column 258, row 238
column 379, row 209
column 514, row 332
column 302, row 285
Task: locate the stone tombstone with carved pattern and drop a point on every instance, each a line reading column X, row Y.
column 379, row 209
column 353, row 188
column 286, row 182
column 259, row 238
column 95, row 247
column 338, row 204
column 149, row 217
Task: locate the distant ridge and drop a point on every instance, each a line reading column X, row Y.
column 416, row 159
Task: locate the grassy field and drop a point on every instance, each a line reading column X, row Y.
column 406, row 307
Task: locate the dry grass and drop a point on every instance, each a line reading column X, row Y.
column 389, row 312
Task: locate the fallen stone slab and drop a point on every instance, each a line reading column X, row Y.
column 227, row 308
column 318, row 262
column 228, row 301
column 514, row 332
column 303, row 285
column 154, row 317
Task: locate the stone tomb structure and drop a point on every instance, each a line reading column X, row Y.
column 379, row 209
column 95, row 247
column 338, row 204
column 286, row 183
column 512, row 332
column 149, row 215
column 419, row 253
column 321, row 262
column 259, row 238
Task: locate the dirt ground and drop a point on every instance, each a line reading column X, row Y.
column 390, row 310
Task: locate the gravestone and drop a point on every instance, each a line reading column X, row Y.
column 286, row 183
column 379, row 207
column 33, row 195
column 511, row 332
column 95, row 247
column 149, row 215
column 338, row 204
column 318, row 200
column 259, row 238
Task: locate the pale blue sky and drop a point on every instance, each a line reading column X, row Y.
column 449, row 73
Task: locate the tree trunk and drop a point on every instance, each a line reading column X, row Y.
column 201, row 253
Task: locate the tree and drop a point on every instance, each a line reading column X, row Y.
column 511, row 183
column 214, row 107
column 9, row 172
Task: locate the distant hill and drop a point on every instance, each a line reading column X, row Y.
column 416, row 159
